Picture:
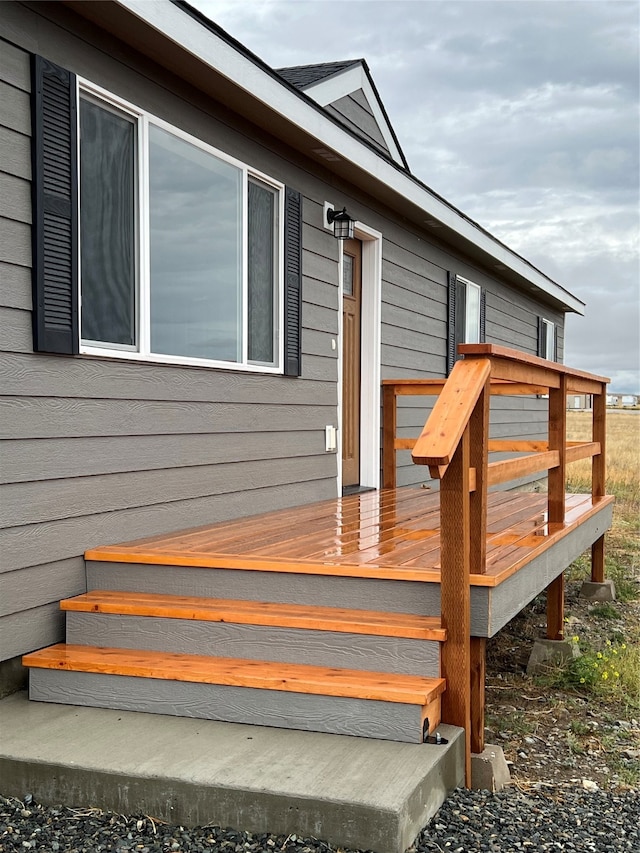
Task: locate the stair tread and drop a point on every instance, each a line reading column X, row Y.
column 293, row 678
column 342, row 620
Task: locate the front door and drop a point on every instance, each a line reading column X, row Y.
column 351, row 310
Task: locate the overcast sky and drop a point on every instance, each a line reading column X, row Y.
column 523, row 113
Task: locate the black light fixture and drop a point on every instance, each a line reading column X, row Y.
column 342, row 223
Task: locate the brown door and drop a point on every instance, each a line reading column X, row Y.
column 351, row 302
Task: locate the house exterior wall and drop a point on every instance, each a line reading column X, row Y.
column 100, row 450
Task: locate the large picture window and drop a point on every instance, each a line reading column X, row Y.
column 179, row 244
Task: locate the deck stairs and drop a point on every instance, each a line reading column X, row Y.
column 161, row 646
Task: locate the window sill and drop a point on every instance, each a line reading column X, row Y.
column 177, row 361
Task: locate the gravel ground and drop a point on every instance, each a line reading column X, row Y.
column 469, row 821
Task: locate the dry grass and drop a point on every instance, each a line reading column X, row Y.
column 623, row 454
column 623, row 481
column 585, row 722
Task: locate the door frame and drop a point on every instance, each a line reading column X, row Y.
column 369, row 356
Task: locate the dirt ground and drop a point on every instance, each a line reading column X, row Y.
column 555, row 733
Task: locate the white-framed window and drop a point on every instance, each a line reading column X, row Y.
column 466, row 315
column 181, row 245
column 546, row 339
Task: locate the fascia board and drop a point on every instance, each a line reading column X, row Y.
column 177, row 26
column 343, row 83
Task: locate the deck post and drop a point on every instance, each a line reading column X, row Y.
column 455, row 594
column 558, row 441
column 389, row 426
column 598, row 476
column 556, row 506
column 479, row 459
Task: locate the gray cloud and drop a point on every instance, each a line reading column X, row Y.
column 523, row 114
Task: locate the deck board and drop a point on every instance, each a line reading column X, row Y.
column 390, row 534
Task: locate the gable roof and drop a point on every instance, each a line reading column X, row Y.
column 186, row 42
column 302, row 76
column 346, row 90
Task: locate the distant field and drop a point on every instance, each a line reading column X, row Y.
column 623, row 453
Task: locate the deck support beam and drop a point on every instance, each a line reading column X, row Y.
column 455, row 594
column 555, row 609
column 478, row 667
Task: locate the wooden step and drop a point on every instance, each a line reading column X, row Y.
column 294, row 678
column 242, row 612
column 381, row 705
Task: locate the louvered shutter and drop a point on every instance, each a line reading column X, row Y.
column 542, row 329
column 451, row 324
column 293, row 282
column 55, row 208
column 483, row 315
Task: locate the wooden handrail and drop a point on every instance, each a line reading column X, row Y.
column 455, row 444
column 451, row 414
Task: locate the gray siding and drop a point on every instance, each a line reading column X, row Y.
column 355, row 111
column 98, row 451
column 414, row 334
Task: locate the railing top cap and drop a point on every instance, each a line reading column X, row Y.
column 497, row 351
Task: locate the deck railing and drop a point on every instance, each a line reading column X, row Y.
column 455, row 445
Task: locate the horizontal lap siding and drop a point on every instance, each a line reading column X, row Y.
column 414, row 336
column 97, row 451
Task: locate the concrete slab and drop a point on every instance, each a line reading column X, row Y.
column 353, row 792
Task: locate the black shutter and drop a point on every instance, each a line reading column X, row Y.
column 541, row 337
column 555, row 342
column 292, row 282
column 55, row 208
column 451, row 324
column 483, row 315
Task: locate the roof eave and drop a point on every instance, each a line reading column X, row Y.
column 214, row 49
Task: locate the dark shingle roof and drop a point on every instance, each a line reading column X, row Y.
column 302, row 76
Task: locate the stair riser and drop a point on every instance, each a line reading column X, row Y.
column 318, row 648
column 337, row 715
column 390, row 596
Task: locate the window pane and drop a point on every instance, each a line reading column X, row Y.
column 195, row 218
column 347, row 275
column 262, row 219
column 549, row 340
column 107, row 225
column 472, row 332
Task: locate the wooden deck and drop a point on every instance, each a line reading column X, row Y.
column 391, row 534
column 364, row 615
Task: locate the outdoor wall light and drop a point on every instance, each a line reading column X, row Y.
column 342, row 224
